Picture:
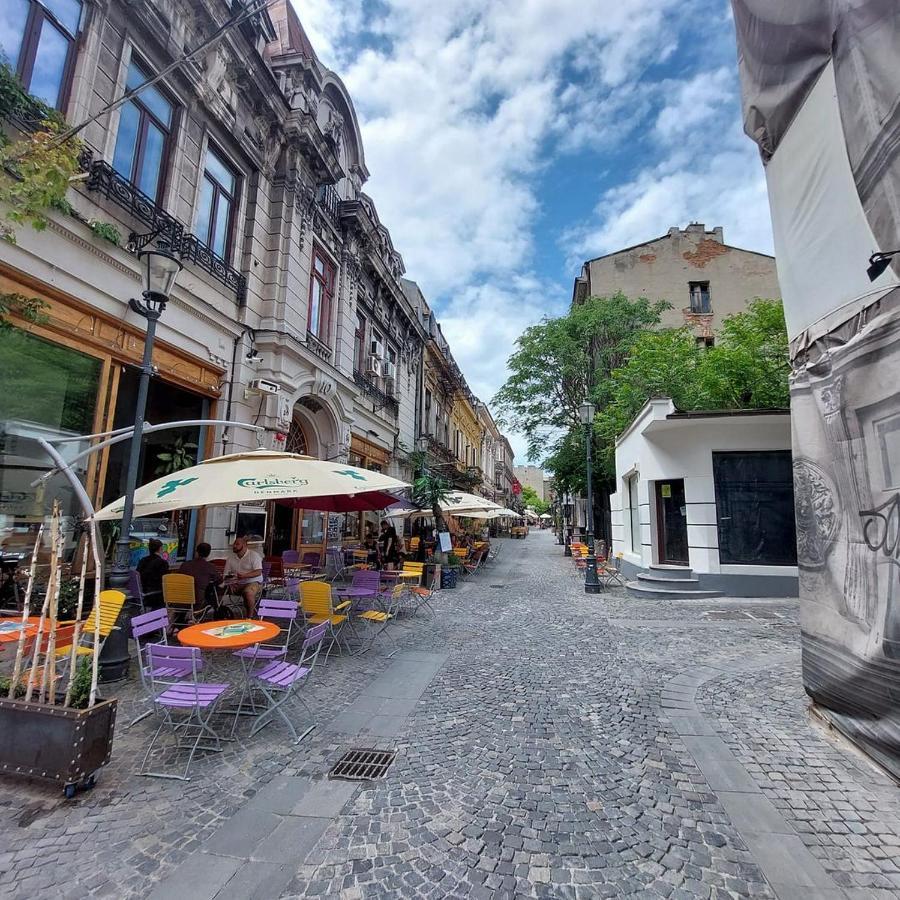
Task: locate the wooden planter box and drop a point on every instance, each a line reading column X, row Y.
column 65, row 745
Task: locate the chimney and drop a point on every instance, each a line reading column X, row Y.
column 719, row 234
column 696, row 228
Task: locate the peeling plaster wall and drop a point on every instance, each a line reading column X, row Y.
column 662, row 270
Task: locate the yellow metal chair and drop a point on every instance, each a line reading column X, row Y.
column 415, row 567
column 317, row 603
column 179, row 597
column 108, row 608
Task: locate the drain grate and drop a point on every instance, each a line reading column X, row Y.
column 363, row 765
column 497, row 585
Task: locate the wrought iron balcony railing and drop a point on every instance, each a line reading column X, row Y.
column 103, row 179
column 329, row 201
column 376, row 394
column 438, row 450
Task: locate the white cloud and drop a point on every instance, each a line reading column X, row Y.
column 463, row 104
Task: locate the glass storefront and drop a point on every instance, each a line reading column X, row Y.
column 48, row 391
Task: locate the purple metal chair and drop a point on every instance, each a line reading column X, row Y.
column 278, row 680
column 366, row 583
column 283, row 613
column 183, row 703
column 290, row 557
column 155, row 622
column 136, row 589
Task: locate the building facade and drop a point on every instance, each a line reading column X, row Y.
column 533, row 477
column 703, row 278
column 247, row 163
column 705, row 502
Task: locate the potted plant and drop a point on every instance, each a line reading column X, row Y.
column 53, row 725
column 450, row 572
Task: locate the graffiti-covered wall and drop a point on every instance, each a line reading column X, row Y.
column 821, row 99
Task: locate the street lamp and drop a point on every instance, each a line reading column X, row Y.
column 591, row 581
column 159, row 269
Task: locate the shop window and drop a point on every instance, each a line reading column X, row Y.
column 37, row 39
column 142, row 141
column 49, row 391
column 700, row 300
column 755, row 507
column 215, row 213
column 321, row 295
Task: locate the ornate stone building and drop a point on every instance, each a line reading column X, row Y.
column 246, row 160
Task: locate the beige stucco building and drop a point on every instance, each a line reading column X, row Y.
column 533, row 477
column 703, row 278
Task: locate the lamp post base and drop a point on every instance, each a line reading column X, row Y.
column 115, row 660
column 591, row 580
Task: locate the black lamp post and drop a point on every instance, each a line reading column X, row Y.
column 591, row 581
column 159, row 271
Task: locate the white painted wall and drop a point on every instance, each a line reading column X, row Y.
column 659, row 449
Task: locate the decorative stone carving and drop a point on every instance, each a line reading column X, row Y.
column 817, row 516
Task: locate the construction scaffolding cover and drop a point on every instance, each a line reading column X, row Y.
column 822, row 100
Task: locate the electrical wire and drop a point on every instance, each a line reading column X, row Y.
column 256, row 6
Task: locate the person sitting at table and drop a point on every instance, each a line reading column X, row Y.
column 243, row 573
column 370, row 544
column 206, row 576
column 150, row 570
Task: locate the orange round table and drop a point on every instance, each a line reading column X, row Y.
column 11, row 627
column 228, row 634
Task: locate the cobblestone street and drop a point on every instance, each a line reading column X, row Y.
column 549, row 744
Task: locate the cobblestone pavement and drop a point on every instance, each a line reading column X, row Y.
column 549, row 744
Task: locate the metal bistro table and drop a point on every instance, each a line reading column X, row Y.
column 230, row 635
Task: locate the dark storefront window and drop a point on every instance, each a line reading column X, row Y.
column 49, row 391
column 165, row 403
column 755, row 508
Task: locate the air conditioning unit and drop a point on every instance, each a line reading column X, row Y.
column 390, row 385
column 389, row 369
column 373, row 366
column 377, row 349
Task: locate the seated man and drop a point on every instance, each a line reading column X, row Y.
column 243, row 574
column 150, row 570
column 206, row 576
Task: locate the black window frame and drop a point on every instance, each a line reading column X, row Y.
column 700, row 291
column 214, row 211
column 31, row 34
column 167, row 130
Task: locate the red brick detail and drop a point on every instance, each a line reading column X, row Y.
column 706, row 251
column 647, row 257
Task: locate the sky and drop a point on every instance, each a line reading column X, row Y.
column 509, row 141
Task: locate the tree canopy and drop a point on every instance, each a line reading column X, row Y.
column 559, row 362
column 634, row 361
column 530, row 500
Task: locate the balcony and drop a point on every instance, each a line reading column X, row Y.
column 380, row 399
column 329, row 202
column 164, row 229
column 437, row 449
column 317, row 346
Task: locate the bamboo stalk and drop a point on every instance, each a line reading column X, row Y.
column 76, row 637
column 26, row 609
column 98, row 581
column 29, row 689
column 48, row 682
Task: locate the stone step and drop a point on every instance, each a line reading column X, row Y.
column 662, row 581
column 665, row 571
column 651, row 592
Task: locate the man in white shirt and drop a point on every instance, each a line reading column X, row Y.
column 243, row 573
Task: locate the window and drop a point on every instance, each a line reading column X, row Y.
column 145, row 123
column 700, row 302
column 392, row 362
column 633, row 513
column 704, row 342
column 321, row 294
column 215, row 214
column 37, row 37
column 359, row 344
column 429, row 429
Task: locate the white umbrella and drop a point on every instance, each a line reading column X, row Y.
column 546, row 516
column 262, row 475
column 456, row 503
column 490, row 514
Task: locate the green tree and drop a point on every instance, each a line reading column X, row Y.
column 746, row 369
column 429, row 489
column 531, row 500
column 560, row 361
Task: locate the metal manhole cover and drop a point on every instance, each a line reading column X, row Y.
column 363, row 765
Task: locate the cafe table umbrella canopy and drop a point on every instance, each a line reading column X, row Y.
column 262, row 475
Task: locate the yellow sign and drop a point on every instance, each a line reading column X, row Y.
column 666, row 491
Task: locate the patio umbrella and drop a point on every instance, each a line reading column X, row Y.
column 262, row 475
column 457, row 503
column 546, row 516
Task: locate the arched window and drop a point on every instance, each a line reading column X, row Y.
column 296, row 440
